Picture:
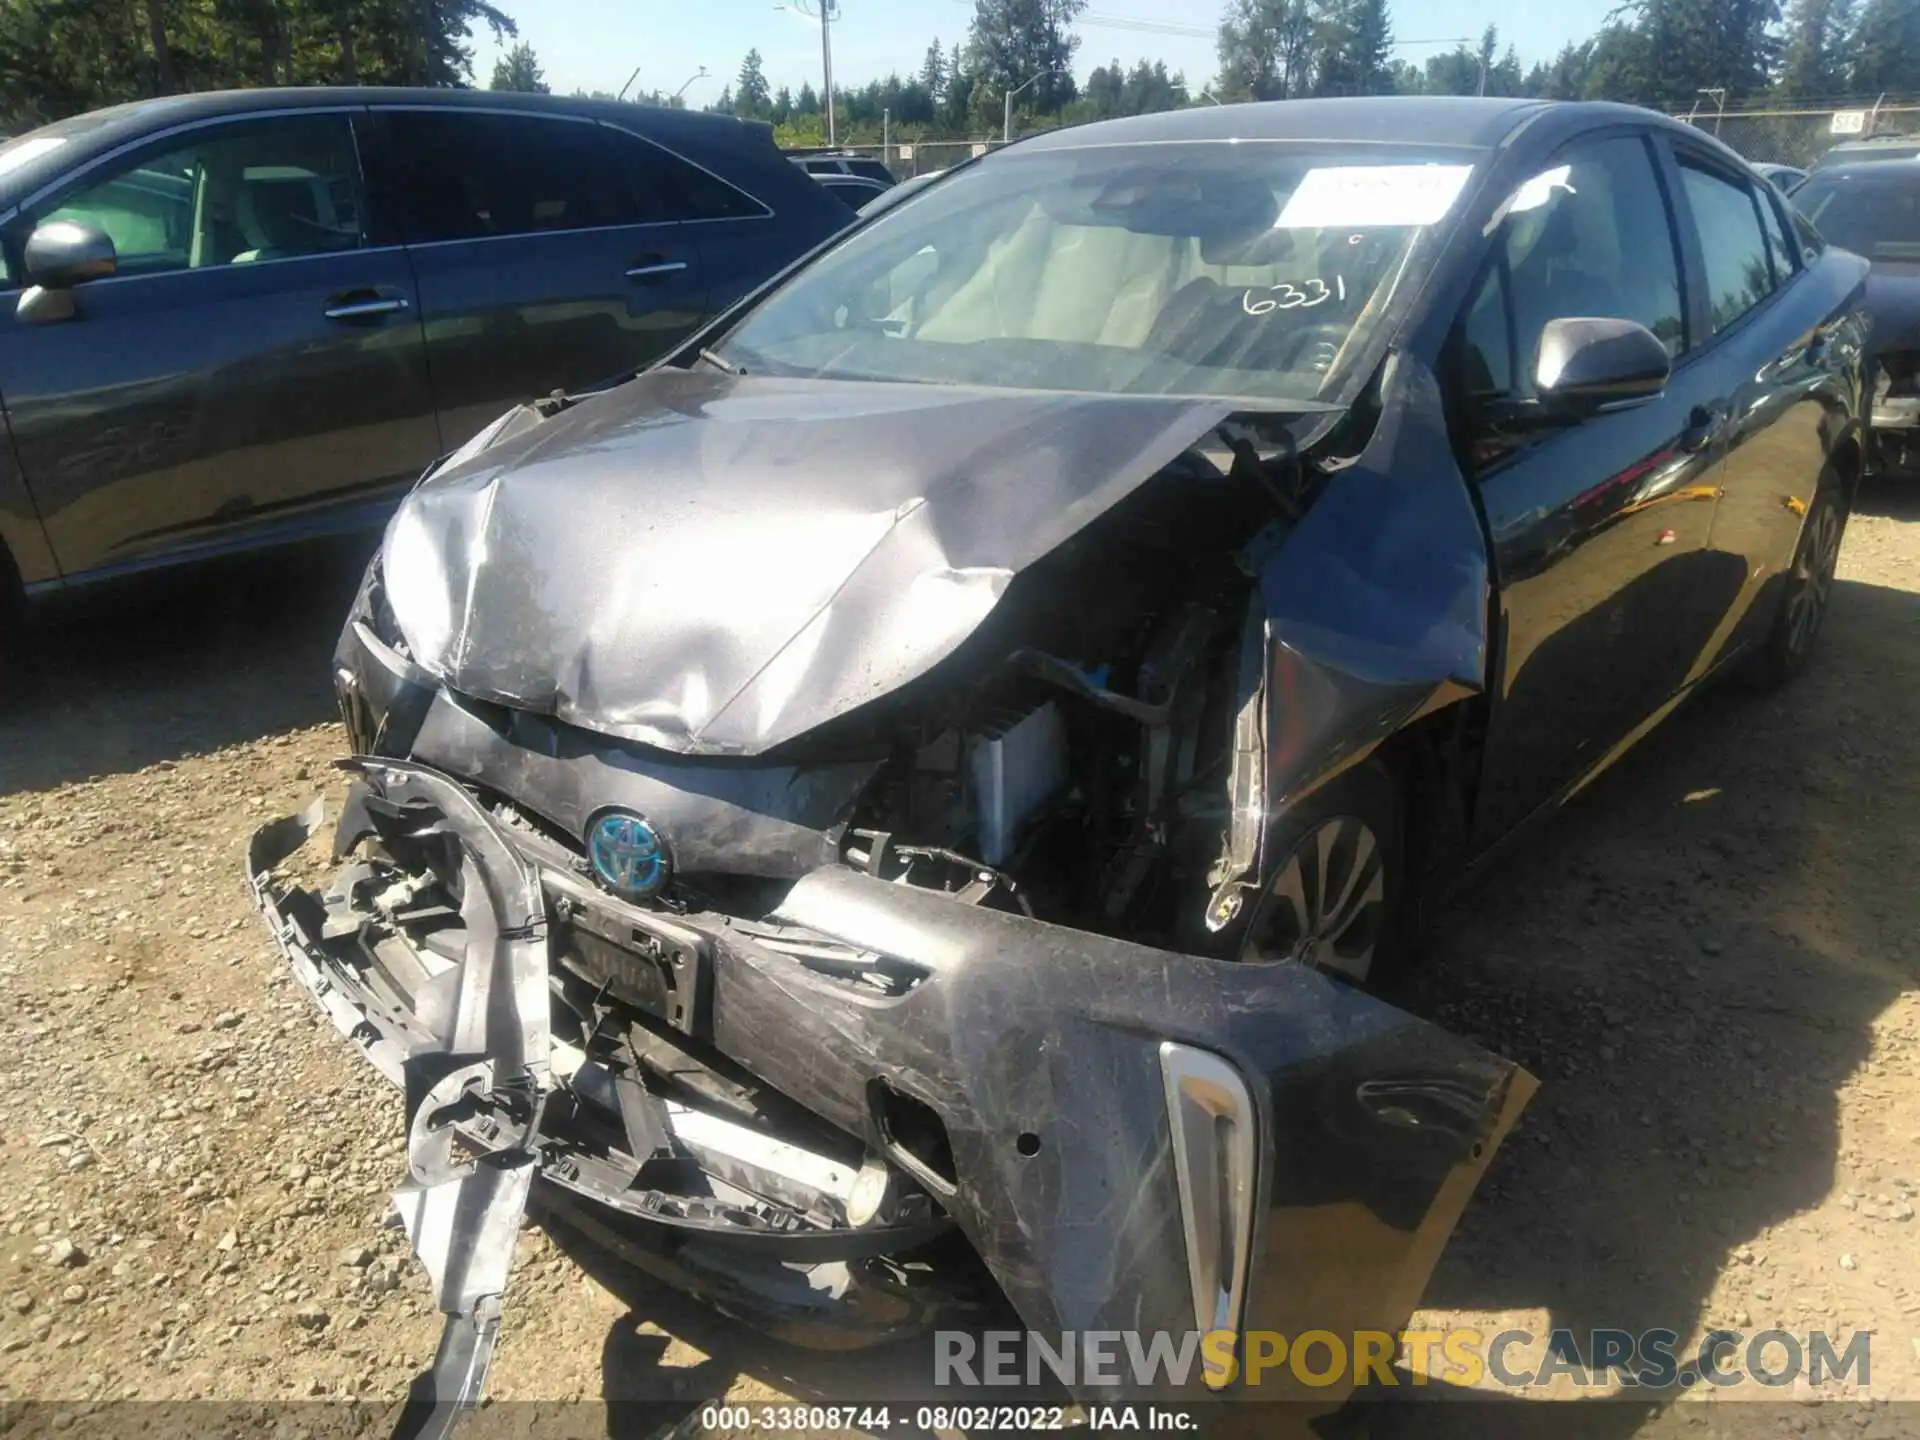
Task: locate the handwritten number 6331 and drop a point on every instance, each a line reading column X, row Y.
column 1287, row 296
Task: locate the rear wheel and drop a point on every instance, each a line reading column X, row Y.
column 1803, row 607
column 1332, row 899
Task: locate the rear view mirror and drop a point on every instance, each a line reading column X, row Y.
column 59, row 255
column 1590, row 365
column 62, row 253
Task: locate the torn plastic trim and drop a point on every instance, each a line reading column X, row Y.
column 818, row 1206
column 1036, row 1050
column 475, row 1068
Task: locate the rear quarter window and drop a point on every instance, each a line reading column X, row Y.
column 681, row 189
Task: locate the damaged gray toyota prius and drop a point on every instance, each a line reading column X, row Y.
column 901, row 802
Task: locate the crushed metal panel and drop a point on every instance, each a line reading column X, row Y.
column 691, row 562
column 1376, row 608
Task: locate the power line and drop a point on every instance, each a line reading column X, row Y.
column 1144, row 26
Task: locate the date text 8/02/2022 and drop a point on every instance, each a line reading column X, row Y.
column 1511, row 1359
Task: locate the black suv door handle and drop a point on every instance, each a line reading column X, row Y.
column 1704, row 423
column 654, row 267
column 363, row 305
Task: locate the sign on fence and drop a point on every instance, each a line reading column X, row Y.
column 906, row 152
column 978, row 151
column 1849, row 122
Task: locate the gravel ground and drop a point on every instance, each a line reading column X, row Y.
column 1709, row 961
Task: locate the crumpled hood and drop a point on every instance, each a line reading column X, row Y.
column 715, row 564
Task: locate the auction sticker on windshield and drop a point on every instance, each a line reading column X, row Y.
column 1363, row 195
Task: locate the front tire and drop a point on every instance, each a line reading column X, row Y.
column 1803, row 608
column 1332, row 897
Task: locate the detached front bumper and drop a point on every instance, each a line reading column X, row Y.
column 1129, row 1139
column 1895, row 414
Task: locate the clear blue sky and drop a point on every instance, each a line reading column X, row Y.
column 595, row 44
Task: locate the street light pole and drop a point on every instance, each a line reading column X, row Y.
column 699, row 74
column 629, row 85
column 1006, row 124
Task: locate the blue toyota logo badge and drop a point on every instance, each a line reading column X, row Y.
column 628, row 855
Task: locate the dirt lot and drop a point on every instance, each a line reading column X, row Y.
column 1710, row 962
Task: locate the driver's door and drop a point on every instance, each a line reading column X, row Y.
column 1607, row 589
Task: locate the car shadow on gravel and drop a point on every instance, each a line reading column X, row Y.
column 1691, row 959
column 1896, row 497
column 177, row 663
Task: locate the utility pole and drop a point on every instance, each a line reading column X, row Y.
column 826, row 14
column 826, row 61
column 1719, row 98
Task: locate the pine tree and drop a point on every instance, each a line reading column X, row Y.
column 1814, row 64
column 933, row 73
column 751, row 97
column 1013, row 41
column 1357, row 40
column 519, row 70
column 1265, row 49
column 1885, row 47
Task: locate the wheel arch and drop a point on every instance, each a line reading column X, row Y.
column 1849, row 456
column 1435, row 761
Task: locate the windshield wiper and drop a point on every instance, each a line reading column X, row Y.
column 720, row 362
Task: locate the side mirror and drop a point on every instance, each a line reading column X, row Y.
column 1590, row 365
column 59, row 255
column 62, row 253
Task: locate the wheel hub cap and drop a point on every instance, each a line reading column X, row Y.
column 1328, row 901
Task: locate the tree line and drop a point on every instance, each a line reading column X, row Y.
column 60, row 57
column 1668, row 54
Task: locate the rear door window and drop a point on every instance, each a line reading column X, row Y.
column 467, row 175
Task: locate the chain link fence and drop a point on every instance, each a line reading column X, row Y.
column 1799, row 137
column 919, row 157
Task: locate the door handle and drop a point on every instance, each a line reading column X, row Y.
column 1703, row 428
column 653, row 269
column 345, row 309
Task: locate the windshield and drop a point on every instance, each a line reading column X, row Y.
column 1873, row 213
column 1213, row 270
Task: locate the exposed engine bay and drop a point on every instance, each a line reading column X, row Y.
column 1076, row 758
